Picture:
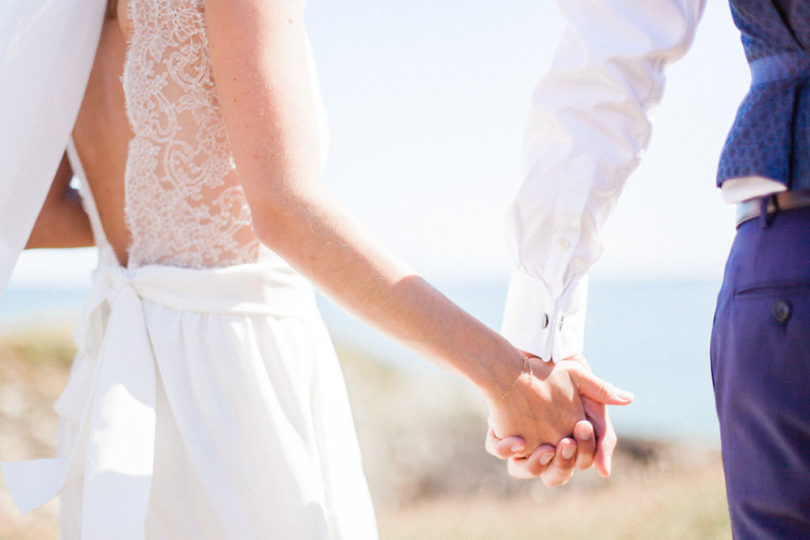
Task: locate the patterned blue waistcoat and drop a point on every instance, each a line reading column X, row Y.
column 771, row 134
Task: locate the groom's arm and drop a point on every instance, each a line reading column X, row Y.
column 588, row 125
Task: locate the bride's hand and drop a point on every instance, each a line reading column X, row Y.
column 554, row 466
column 543, row 408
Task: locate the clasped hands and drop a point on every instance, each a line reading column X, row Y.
column 554, row 420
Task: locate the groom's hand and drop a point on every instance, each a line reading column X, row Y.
column 597, row 414
column 593, row 440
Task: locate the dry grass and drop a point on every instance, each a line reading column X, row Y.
column 33, row 370
column 662, row 506
column 422, row 443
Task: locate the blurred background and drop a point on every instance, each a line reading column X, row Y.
column 426, row 103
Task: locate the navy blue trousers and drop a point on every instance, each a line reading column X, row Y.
column 760, row 355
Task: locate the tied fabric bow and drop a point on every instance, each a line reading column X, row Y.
column 111, row 397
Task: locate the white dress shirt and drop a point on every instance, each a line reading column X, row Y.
column 589, row 123
column 46, row 53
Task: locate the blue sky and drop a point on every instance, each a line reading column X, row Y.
column 426, row 103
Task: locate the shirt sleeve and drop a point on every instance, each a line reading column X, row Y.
column 588, row 126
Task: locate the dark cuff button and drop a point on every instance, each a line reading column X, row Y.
column 544, row 322
column 781, row 312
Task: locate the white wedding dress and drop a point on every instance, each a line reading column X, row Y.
column 205, row 401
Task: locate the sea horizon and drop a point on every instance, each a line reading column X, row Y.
column 648, row 336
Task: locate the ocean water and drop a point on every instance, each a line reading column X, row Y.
column 653, row 339
column 649, row 337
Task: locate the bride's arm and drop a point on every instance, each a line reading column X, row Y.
column 259, row 56
column 62, row 222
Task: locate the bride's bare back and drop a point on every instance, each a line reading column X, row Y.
column 154, row 145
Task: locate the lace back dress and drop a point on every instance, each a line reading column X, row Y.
column 184, row 204
column 205, row 400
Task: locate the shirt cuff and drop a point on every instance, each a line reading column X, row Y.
column 548, row 327
column 737, row 190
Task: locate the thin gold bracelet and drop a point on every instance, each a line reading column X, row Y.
column 527, row 368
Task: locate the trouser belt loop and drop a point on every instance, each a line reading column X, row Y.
column 768, row 207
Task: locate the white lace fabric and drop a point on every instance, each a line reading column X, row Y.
column 184, row 205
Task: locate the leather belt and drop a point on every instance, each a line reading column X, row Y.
column 784, row 200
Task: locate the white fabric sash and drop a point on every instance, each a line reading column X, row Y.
column 111, row 392
column 47, row 49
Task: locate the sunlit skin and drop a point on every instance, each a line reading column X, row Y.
column 259, row 53
column 62, row 221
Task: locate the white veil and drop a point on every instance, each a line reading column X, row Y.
column 46, row 53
